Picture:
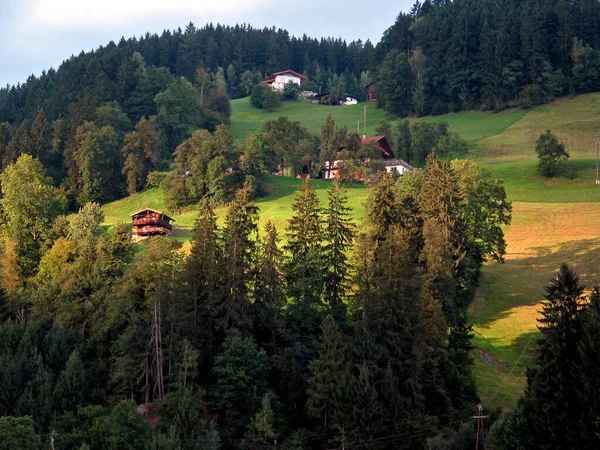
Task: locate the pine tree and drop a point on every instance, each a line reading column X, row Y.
column 304, row 265
column 238, row 253
column 382, row 206
column 338, row 237
column 269, row 288
column 328, row 385
column 203, row 269
column 551, row 412
column 587, row 372
column 71, row 387
column 18, row 145
column 41, row 136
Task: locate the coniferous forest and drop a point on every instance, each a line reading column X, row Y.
column 330, row 332
column 323, row 334
column 447, row 56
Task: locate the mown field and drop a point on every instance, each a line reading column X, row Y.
column 246, row 119
column 553, row 220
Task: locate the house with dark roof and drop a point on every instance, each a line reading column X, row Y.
column 278, row 80
column 149, row 222
column 392, row 164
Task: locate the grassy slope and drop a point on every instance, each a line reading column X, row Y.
column 551, row 222
column 246, row 119
column 511, row 156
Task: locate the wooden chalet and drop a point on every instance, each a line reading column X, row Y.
column 392, row 164
column 149, row 222
column 371, row 94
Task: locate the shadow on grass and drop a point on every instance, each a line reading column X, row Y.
column 520, row 282
column 500, row 384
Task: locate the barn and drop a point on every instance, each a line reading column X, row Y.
column 371, row 94
column 278, row 80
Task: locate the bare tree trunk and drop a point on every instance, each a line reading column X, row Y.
column 159, row 388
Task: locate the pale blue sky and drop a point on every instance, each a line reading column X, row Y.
column 39, row 34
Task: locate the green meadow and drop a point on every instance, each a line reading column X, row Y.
column 554, row 220
column 246, row 119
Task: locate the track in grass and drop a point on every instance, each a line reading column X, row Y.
column 504, row 313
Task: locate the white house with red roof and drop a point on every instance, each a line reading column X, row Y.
column 278, row 80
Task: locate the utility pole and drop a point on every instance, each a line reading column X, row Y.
column 480, row 431
column 358, row 126
column 597, row 155
column 365, row 122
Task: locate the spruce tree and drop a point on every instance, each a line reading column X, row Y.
column 549, row 405
column 41, row 137
column 304, row 265
column 269, row 288
column 587, row 372
column 238, row 251
column 382, row 206
column 203, row 271
column 328, row 385
column 339, row 234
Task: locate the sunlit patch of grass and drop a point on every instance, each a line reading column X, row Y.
column 504, row 313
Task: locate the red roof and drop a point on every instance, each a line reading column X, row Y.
column 386, row 150
column 273, row 76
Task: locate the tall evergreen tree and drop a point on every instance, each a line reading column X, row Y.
column 41, row 137
column 548, row 404
column 328, row 385
column 238, row 254
column 203, row 269
column 338, row 237
column 304, row 265
column 269, row 288
column 382, row 210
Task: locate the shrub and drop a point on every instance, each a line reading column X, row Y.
column 264, row 97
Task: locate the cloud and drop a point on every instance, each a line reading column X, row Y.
column 70, row 14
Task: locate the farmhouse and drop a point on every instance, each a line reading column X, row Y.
column 371, row 95
column 278, row 80
column 149, row 222
column 392, row 164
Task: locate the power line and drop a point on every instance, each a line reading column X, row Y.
column 480, row 427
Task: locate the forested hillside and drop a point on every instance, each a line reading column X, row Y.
column 238, row 56
column 470, row 54
column 328, row 323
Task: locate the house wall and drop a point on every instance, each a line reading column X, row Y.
column 349, row 101
column 399, row 169
column 371, row 93
column 282, row 80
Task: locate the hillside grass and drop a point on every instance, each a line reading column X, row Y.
column 504, row 313
column 554, row 220
column 247, row 119
column 275, row 206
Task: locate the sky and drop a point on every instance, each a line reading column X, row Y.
column 38, row 34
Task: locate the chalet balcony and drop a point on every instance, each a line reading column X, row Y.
column 152, row 220
column 150, row 230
